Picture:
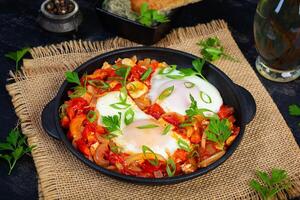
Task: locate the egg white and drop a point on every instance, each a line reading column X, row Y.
column 133, row 138
column 179, row 100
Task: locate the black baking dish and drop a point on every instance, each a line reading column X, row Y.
column 232, row 94
column 133, row 30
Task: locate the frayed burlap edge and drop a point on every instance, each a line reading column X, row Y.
column 48, row 189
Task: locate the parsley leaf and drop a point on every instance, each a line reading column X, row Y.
column 294, row 110
column 218, row 131
column 72, row 77
column 112, row 124
column 149, row 17
column 17, row 55
column 211, row 49
column 14, row 148
column 271, row 185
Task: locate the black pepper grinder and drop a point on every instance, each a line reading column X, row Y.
column 60, row 16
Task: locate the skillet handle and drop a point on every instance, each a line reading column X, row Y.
column 48, row 120
column 248, row 104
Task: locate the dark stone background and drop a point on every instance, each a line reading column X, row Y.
column 19, row 29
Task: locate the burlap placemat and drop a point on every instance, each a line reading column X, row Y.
column 267, row 143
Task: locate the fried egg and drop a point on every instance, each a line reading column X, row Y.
column 135, row 135
column 204, row 93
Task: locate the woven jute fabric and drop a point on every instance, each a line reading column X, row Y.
column 267, row 143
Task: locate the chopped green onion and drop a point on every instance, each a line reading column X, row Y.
column 167, row 70
column 62, row 110
column 183, row 145
column 147, row 149
column 99, row 84
column 182, row 125
column 91, row 116
column 167, row 92
column 176, row 76
column 189, row 84
column 147, row 126
column 129, row 116
column 205, row 97
column 171, row 167
column 78, row 92
column 123, row 95
column 120, row 106
column 115, row 149
column 113, row 134
column 146, row 74
column 167, row 129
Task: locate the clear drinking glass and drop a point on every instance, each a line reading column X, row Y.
column 277, row 39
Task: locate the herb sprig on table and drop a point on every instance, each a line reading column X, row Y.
column 294, row 110
column 150, row 17
column 14, row 148
column 212, row 49
column 17, row 56
column 269, row 185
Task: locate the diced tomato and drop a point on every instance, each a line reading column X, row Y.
column 117, row 87
column 114, row 158
column 100, row 130
column 83, row 147
column 65, row 122
column 231, row 119
column 210, row 149
column 146, row 166
column 136, row 72
column 75, row 106
column 196, row 138
column 235, row 130
column 225, row 111
column 155, row 111
column 100, row 74
column 88, row 135
column 180, row 155
column 173, row 118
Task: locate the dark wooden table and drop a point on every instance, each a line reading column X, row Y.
column 19, row 29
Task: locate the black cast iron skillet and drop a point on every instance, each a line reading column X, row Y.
column 232, row 94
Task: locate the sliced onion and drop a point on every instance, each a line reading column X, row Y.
column 203, row 141
column 99, row 154
column 211, row 159
column 139, row 157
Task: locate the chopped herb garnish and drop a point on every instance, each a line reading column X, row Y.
column 123, row 72
column 129, row 116
column 146, row 74
column 211, row 49
column 167, row 70
column 99, row 84
column 198, row 65
column 78, row 92
column 183, row 145
column 146, row 151
column 218, row 130
column 120, row 105
column 269, row 186
column 294, row 110
column 17, row 56
column 149, row 17
column 14, row 148
column 205, row 97
column 72, row 77
column 112, row 124
column 115, row 149
column 167, row 92
column 167, row 129
column 176, row 76
column 189, row 84
column 62, row 110
column 170, row 167
column 147, row 126
column 91, row 116
column 194, row 110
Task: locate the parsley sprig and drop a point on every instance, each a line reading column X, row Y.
column 194, row 110
column 218, row 131
column 212, row 49
column 17, row 56
column 112, row 124
column 270, row 185
column 294, row 110
column 14, row 148
column 79, row 90
column 149, row 17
